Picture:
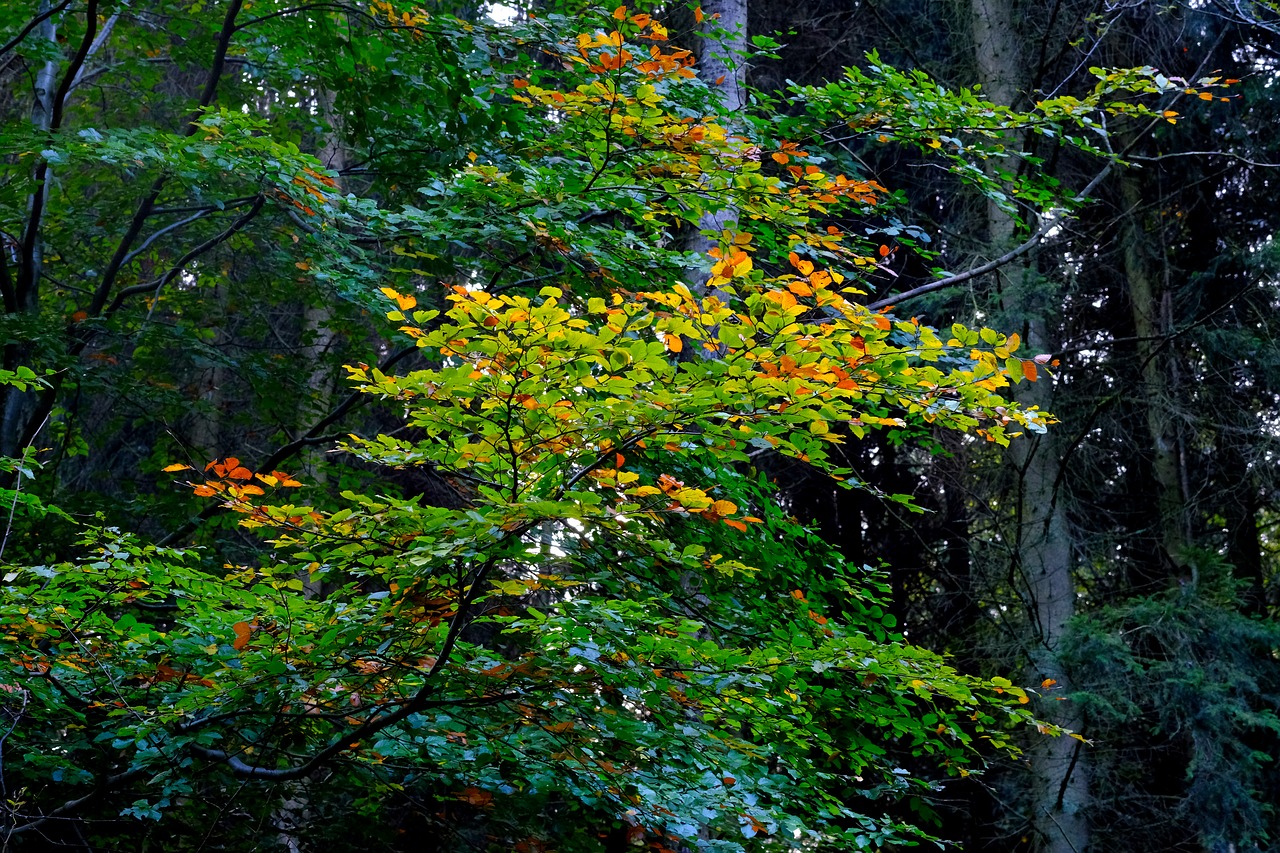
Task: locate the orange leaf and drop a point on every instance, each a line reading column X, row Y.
column 205, row 491
column 240, row 473
column 620, row 13
column 177, row 466
column 724, row 507
column 476, row 797
column 698, row 14
column 674, row 343
column 736, row 525
column 1029, row 371
column 243, row 633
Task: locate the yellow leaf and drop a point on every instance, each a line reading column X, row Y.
column 177, row 466
column 405, row 302
column 724, row 507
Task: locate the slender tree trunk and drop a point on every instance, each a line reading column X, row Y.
column 720, row 48
column 318, row 335
column 1044, row 549
column 18, row 405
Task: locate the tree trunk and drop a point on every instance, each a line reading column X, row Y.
column 18, row 405
column 1150, row 323
column 1043, row 553
column 720, row 48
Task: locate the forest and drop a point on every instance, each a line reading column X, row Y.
column 729, row 426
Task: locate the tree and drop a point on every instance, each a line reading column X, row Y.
column 1133, row 428
column 609, row 623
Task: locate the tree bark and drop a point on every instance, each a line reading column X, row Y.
column 18, row 405
column 1150, row 322
column 1043, row 553
column 721, row 65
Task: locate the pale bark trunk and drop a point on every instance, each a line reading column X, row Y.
column 18, row 405
column 317, row 320
column 721, row 65
column 318, row 331
column 1043, row 552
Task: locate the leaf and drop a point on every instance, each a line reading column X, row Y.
column 404, row 303
column 177, row 466
column 476, row 797
column 243, row 632
column 674, row 343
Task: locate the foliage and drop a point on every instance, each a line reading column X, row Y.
column 1182, row 678
column 609, row 623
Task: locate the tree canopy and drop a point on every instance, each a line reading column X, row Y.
column 381, row 447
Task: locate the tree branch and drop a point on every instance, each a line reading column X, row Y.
column 168, row 228
column 419, row 701
column 31, row 25
column 116, row 264
column 352, row 401
column 159, row 283
column 71, row 805
column 1046, row 225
